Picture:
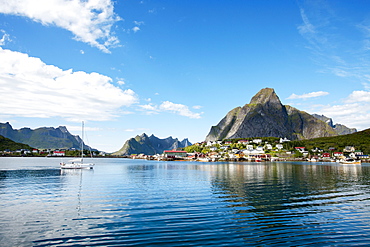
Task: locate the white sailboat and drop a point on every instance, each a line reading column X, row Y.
column 78, row 163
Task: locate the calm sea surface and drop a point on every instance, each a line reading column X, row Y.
column 124, row 202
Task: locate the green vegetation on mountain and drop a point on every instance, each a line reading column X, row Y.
column 6, row 143
column 360, row 140
column 43, row 138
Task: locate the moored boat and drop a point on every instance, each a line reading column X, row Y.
column 78, row 163
column 350, row 161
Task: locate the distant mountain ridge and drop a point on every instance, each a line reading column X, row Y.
column 339, row 128
column 150, row 145
column 43, row 138
column 266, row 116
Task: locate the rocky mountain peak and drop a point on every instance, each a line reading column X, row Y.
column 63, row 129
column 266, row 116
column 150, row 145
column 264, row 96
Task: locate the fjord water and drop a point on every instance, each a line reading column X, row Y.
column 124, row 202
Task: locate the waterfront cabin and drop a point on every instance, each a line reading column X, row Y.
column 173, row 154
column 325, row 155
column 338, row 154
column 59, row 153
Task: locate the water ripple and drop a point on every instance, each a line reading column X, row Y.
column 131, row 203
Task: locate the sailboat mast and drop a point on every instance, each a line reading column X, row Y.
column 82, row 142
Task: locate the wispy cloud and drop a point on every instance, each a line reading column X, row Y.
column 90, row 21
column 306, row 27
column 308, row 95
column 339, row 44
column 30, row 88
column 338, row 53
column 5, row 38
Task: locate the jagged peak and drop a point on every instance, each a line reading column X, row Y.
column 143, row 135
column 63, row 129
column 264, row 96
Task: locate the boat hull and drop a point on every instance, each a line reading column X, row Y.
column 76, row 166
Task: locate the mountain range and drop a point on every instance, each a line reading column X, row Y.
column 150, row 145
column 266, row 116
column 43, row 138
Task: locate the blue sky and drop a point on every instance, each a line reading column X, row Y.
column 175, row 68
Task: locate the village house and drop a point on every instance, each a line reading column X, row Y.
column 249, row 147
column 284, row 140
column 317, row 150
column 59, row 153
column 326, row 155
column 225, row 147
column 349, row 149
column 243, row 142
column 257, row 141
column 174, row 154
column 268, row 146
column 338, row 154
column 300, row 149
column 279, row 146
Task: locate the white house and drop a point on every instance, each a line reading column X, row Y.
column 268, row 146
column 257, row 141
column 279, row 146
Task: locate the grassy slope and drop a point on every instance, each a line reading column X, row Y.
column 360, row 140
column 6, row 143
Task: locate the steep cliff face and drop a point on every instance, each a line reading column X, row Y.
column 266, row 116
column 150, row 145
column 45, row 137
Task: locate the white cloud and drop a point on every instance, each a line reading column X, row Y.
column 149, row 107
column 180, row 109
column 168, row 106
column 358, row 96
column 5, row 38
column 197, row 107
column 135, row 29
column 30, row 88
column 308, row 95
column 90, row 20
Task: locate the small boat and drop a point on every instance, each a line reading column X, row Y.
column 204, row 159
column 78, row 163
column 350, row 161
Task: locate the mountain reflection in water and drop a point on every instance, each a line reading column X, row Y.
column 138, row 202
